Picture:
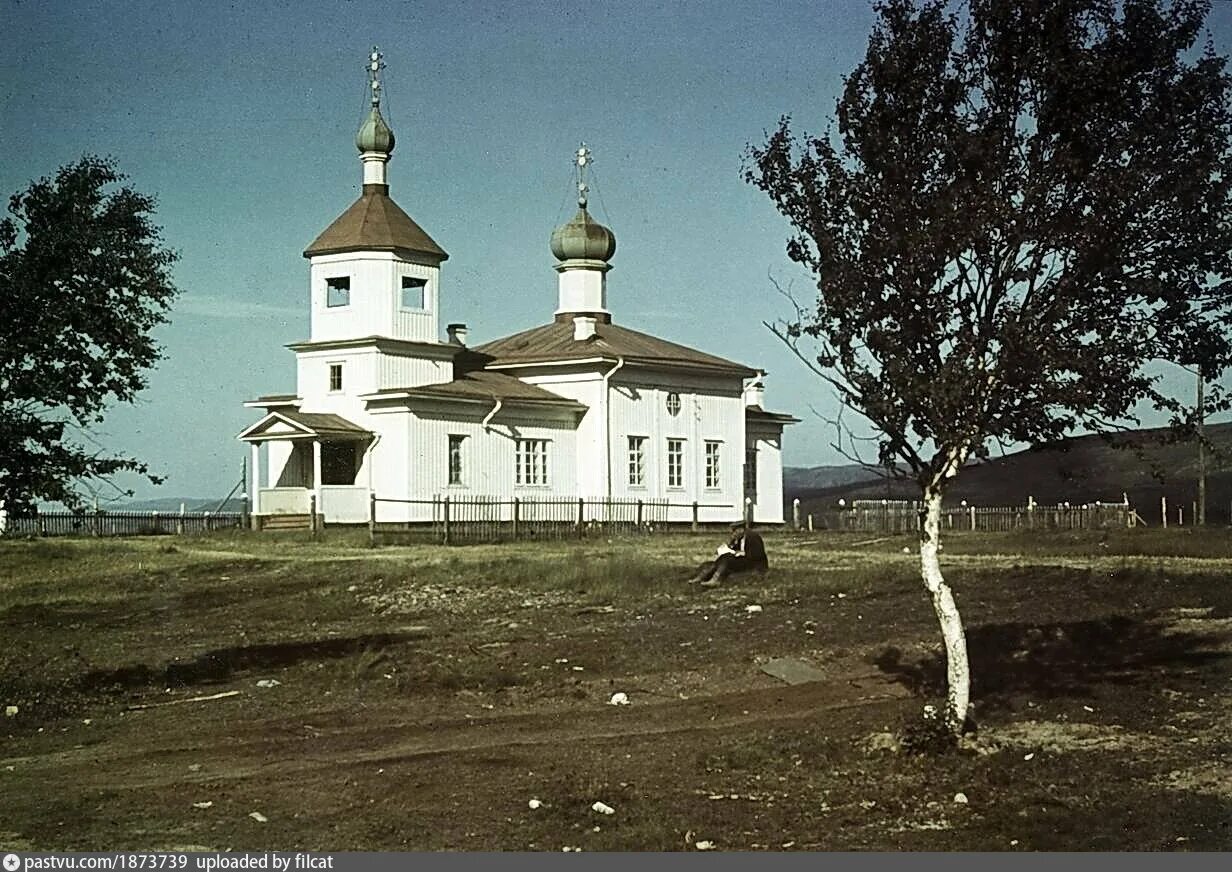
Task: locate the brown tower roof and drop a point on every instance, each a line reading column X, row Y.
column 374, row 223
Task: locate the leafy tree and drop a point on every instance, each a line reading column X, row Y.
column 84, row 278
column 1021, row 204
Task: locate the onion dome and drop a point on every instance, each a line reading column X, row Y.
column 583, row 238
column 374, row 134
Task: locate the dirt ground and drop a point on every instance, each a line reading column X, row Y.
column 424, row 698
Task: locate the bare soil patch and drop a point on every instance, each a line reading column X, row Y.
column 420, row 698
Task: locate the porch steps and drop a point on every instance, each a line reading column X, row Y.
column 286, row 522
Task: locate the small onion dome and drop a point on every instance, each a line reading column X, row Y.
column 583, row 238
column 374, row 134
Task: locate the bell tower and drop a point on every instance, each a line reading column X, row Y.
column 374, row 271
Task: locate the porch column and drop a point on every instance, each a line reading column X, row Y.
column 316, row 471
column 255, row 477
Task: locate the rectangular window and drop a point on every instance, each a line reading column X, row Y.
column 712, row 464
column 335, row 377
column 531, row 462
column 750, row 473
column 637, row 461
column 338, row 292
column 413, row 291
column 675, row 463
column 455, row 458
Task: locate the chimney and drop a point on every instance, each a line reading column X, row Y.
column 584, row 327
column 457, row 333
column 755, row 393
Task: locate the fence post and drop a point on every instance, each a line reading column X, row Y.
column 156, row 525
column 748, row 512
column 695, row 516
column 795, row 514
column 639, row 516
column 312, row 514
column 1180, row 516
column 42, row 523
column 1163, row 511
column 179, row 524
column 445, row 518
column 972, row 512
column 371, row 519
column 1030, row 513
column 95, row 520
column 581, row 517
column 517, row 517
column 810, row 520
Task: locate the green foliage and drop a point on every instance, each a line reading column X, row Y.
column 1020, row 206
column 84, row 279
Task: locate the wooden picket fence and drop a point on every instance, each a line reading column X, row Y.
column 460, row 520
column 903, row 516
column 123, row 523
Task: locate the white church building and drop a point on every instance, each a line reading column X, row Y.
column 578, row 407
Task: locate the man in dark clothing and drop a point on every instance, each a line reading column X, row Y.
column 743, row 552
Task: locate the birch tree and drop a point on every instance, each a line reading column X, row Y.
column 1016, row 208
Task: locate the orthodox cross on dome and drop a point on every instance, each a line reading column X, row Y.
column 376, row 63
column 582, row 159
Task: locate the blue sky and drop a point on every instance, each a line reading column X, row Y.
column 240, row 117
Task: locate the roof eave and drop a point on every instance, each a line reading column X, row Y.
column 312, row 252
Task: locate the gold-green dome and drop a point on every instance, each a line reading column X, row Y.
column 374, row 134
column 583, row 238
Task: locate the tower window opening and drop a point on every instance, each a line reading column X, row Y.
column 338, row 292
column 335, row 378
column 414, row 291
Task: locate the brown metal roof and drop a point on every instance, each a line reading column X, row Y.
column 486, row 386
column 555, row 341
column 310, row 424
column 374, row 223
column 324, row 423
column 757, row 413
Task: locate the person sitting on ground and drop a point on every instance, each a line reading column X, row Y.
column 743, row 552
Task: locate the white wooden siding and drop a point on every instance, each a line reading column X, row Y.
column 376, row 291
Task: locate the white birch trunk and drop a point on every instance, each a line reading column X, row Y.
column 958, row 672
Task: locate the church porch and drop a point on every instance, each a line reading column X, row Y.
column 313, row 466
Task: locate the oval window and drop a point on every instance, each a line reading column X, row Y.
column 673, row 404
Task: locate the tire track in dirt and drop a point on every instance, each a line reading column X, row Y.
column 276, row 748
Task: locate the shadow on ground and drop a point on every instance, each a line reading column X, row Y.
column 221, row 665
column 1068, row 659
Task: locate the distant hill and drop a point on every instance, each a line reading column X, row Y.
column 1078, row 470
column 802, row 478
column 172, row 505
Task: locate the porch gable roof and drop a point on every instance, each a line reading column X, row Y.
column 293, row 424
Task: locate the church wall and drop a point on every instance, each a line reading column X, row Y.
column 386, row 467
column 421, row 325
column 587, row 389
column 711, row 409
column 769, row 442
column 364, row 370
column 375, row 298
column 488, row 456
column 397, row 371
column 359, row 376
